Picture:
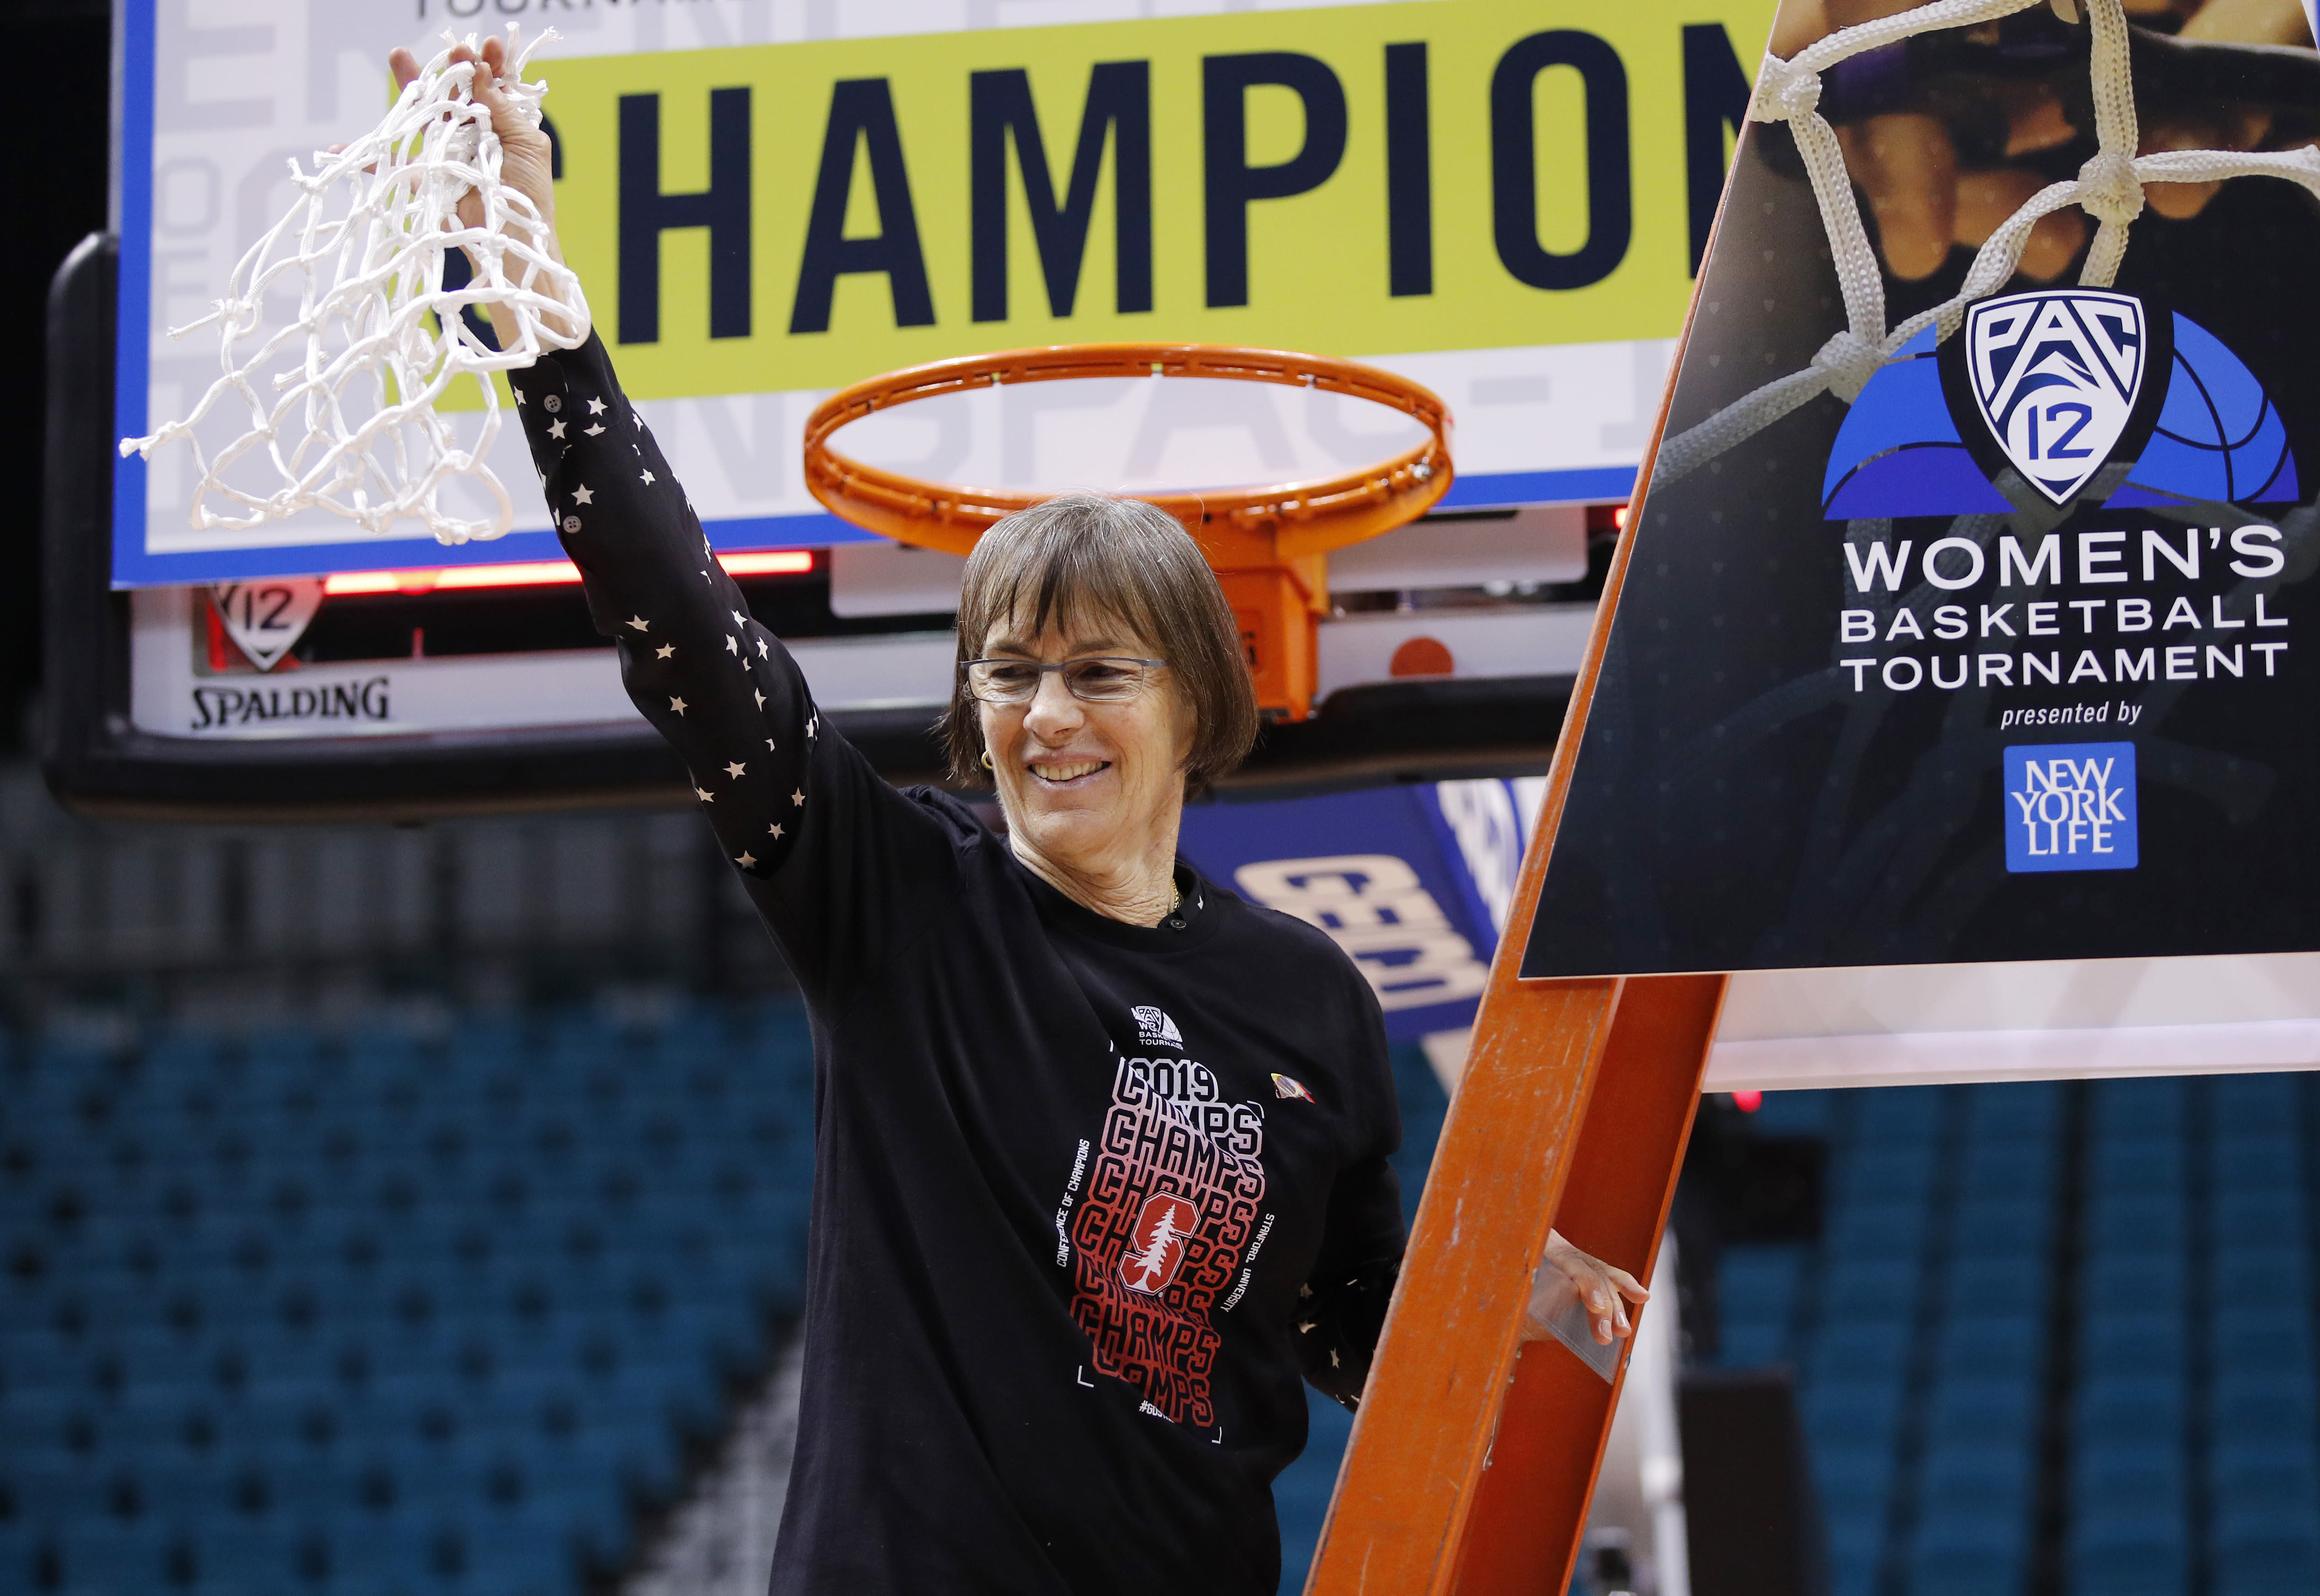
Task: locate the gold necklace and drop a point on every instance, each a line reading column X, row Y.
column 1175, row 898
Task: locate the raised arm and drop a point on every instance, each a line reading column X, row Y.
column 699, row 666
column 711, row 679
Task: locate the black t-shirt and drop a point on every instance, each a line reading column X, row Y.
column 1089, row 1197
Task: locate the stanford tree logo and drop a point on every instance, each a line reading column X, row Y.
column 1156, row 1250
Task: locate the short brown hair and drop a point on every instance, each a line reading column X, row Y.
column 1080, row 556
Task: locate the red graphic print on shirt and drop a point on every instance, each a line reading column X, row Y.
column 1157, row 1249
column 1171, row 1202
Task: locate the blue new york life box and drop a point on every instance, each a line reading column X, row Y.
column 2070, row 806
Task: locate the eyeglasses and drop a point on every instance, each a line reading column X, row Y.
column 1107, row 678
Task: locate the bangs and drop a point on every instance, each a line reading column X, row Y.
column 1057, row 575
column 1082, row 564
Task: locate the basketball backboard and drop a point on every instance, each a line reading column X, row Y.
column 767, row 204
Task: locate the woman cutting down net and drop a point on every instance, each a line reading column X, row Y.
column 1101, row 1150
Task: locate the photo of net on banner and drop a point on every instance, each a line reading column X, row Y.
column 767, row 217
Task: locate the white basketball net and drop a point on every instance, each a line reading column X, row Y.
column 2108, row 187
column 339, row 402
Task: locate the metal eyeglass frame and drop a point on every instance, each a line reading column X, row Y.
column 1062, row 667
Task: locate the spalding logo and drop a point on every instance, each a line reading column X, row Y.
column 2056, row 375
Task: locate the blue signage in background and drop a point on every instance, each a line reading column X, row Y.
column 1413, row 882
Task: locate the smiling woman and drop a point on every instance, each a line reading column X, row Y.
column 1100, row 1150
column 1150, row 701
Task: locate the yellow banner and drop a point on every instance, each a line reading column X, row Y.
column 1373, row 179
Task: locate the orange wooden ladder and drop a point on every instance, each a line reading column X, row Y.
column 1473, row 1457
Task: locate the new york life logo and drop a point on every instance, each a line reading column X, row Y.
column 2070, row 806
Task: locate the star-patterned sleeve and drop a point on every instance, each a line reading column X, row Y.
column 708, row 675
column 1341, row 1308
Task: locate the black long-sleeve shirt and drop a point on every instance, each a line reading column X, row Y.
column 1088, row 1196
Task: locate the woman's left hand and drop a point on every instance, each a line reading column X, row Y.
column 1599, row 1285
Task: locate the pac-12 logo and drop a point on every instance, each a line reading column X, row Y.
column 2050, row 388
column 2070, row 806
column 1154, row 1028
column 2056, row 376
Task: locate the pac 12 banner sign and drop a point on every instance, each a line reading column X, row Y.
column 2004, row 655
column 1504, row 203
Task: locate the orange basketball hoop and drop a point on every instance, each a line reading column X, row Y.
column 1269, row 546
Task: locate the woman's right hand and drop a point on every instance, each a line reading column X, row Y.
column 527, row 157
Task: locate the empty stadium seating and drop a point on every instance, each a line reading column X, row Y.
column 426, row 1309
column 2153, row 1427
column 389, row 1314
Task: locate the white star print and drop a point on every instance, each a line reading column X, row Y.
column 738, row 619
column 595, row 407
column 555, row 428
column 648, row 479
column 760, row 698
column 745, row 859
column 595, row 429
column 732, row 645
column 798, row 798
column 769, row 743
column 583, row 495
column 735, row 768
column 761, row 648
column 664, row 651
column 814, row 727
column 704, row 796
column 517, row 392
column 640, row 624
column 677, row 704
column 772, row 830
column 639, row 420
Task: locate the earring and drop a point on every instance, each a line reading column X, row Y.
column 987, row 765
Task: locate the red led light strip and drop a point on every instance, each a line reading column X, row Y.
column 538, row 573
